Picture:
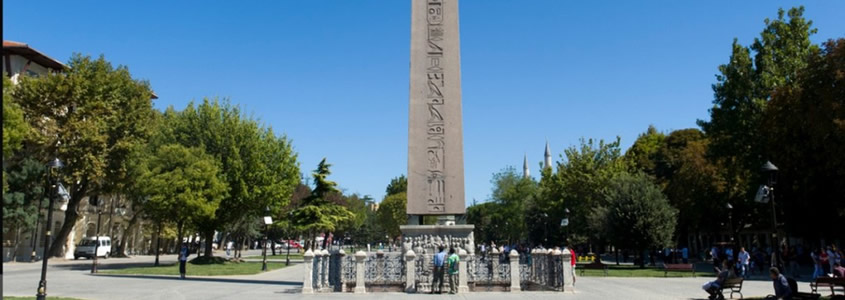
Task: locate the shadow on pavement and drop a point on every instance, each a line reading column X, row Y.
column 87, row 266
column 205, row 279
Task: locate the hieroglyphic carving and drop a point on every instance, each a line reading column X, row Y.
column 436, row 145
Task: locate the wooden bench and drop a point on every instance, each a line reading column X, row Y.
column 678, row 267
column 796, row 295
column 593, row 266
column 734, row 285
column 829, row 282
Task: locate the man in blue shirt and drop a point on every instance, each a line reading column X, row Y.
column 437, row 282
column 782, row 289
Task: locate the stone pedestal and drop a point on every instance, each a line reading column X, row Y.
column 462, row 271
column 514, row 256
column 410, row 272
column 307, row 284
column 324, row 270
column 429, row 237
column 568, row 272
column 360, row 280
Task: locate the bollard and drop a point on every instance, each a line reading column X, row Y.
column 360, row 287
column 462, row 271
column 514, row 256
column 307, row 287
column 410, row 272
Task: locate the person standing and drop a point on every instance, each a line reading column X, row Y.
column 183, row 259
column 744, row 260
column 573, row 261
column 229, row 246
column 452, row 264
column 439, row 260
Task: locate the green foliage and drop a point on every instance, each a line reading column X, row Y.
column 805, row 125
column 578, row 185
column 744, row 87
column 90, row 117
column 14, row 126
column 317, row 213
column 25, row 194
column 637, row 215
column 512, row 193
column 259, row 168
column 392, row 212
column 642, row 153
column 183, row 185
column 397, row 185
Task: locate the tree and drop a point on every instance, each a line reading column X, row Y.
column 316, row 213
column 90, row 117
column 392, row 212
column 397, row 185
column 743, row 89
column 638, row 216
column 21, row 202
column 511, row 192
column 805, row 130
column 578, row 185
column 183, row 186
column 14, row 126
column 642, row 153
column 259, row 167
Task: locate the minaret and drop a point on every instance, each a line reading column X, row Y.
column 525, row 172
column 548, row 162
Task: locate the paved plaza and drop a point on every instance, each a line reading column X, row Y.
column 73, row 279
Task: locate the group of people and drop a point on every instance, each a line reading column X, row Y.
column 445, row 264
column 827, row 262
column 727, row 264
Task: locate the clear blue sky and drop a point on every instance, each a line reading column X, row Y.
column 333, row 75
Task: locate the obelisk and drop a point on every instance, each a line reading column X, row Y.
column 435, row 135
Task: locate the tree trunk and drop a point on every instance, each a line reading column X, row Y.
column 209, row 240
column 179, row 226
column 121, row 248
column 57, row 246
column 158, row 242
column 273, row 246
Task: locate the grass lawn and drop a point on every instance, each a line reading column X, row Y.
column 635, row 271
column 293, row 256
column 215, row 269
column 33, row 298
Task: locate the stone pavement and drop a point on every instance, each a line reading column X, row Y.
column 72, row 279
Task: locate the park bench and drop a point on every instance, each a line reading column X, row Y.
column 593, row 266
column 678, row 267
column 734, row 285
column 796, row 295
column 830, row 282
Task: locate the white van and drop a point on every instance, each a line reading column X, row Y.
column 85, row 248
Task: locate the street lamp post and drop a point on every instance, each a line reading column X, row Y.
column 267, row 221
column 53, row 168
column 771, row 170
column 730, row 222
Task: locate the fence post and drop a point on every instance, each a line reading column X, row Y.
column 340, row 270
column 556, row 270
column 324, row 284
column 462, row 271
column 568, row 271
column 514, row 256
column 360, row 281
column 494, row 258
column 307, row 285
column 410, row 271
